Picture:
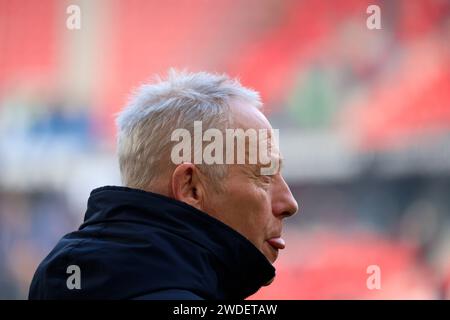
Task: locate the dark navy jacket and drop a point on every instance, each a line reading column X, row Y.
column 140, row 245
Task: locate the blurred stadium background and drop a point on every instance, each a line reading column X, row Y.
column 364, row 119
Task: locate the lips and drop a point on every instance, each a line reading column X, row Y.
column 277, row 243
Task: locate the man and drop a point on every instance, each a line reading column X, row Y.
column 178, row 229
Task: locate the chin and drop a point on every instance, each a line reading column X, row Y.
column 270, row 252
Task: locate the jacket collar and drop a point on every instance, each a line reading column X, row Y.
column 247, row 269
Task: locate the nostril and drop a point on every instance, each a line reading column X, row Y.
column 292, row 213
column 293, row 210
column 287, row 215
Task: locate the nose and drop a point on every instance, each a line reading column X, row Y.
column 283, row 202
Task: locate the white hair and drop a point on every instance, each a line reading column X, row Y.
column 155, row 110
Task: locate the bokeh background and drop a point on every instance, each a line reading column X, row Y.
column 364, row 120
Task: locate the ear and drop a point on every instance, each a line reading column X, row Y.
column 187, row 185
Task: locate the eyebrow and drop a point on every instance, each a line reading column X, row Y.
column 280, row 160
column 280, row 163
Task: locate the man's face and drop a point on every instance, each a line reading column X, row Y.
column 251, row 203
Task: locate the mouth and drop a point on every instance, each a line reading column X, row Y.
column 277, row 243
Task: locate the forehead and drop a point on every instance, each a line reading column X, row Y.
column 247, row 116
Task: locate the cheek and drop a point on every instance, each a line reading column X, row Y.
column 255, row 200
column 257, row 215
column 246, row 207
